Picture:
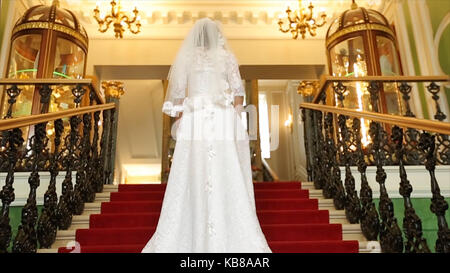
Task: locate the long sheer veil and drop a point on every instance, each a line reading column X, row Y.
column 204, row 40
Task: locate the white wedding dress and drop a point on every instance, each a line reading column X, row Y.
column 209, row 203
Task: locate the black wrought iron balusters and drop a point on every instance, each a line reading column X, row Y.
column 13, row 92
column 340, row 90
column 335, row 183
column 370, row 223
column 94, row 175
column 434, row 89
column 47, row 224
column 78, row 91
column 328, row 187
column 111, row 147
column 442, row 141
column 390, row 234
column 46, row 150
column 70, row 161
column 438, row 204
column 412, row 225
column 11, row 141
column 45, row 92
column 319, row 172
column 80, row 189
column 405, row 89
column 26, row 239
column 103, row 150
column 352, row 204
column 412, row 155
column 85, row 168
column 307, row 118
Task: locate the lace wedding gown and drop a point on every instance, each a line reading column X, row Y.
column 209, row 203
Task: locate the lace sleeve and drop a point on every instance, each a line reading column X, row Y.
column 234, row 76
column 176, row 92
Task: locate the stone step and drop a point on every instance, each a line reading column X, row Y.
column 349, row 231
column 66, row 238
column 326, row 204
column 115, row 188
column 364, row 247
column 110, row 188
column 337, row 216
column 308, row 185
column 317, row 194
column 82, row 221
column 352, row 232
column 102, row 197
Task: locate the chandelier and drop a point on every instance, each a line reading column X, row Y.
column 119, row 19
column 300, row 21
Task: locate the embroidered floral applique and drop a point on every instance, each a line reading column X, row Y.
column 211, row 228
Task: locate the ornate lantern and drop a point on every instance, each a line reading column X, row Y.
column 46, row 42
column 360, row 42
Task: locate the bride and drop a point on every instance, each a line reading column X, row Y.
column 209, row 203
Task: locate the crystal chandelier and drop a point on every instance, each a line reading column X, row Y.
column 119, row 19
column 300, row 21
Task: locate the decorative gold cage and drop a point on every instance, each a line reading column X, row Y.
column 361, row 42
column 46, row 42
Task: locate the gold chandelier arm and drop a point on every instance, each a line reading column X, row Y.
column 324, row 21
column 281, row 23
column 136, row 12
column 106, row 22
column 138, row 26
column 113, row 8
column 295, row 33
column 281, row 27
column 125, row 18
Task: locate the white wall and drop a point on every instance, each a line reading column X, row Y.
column 162, row 52
column 139, row 140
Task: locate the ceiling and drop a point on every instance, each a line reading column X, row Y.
column 171, row 19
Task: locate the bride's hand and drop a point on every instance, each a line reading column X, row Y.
column 239, row 109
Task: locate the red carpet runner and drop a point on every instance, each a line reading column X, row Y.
column 290, row 221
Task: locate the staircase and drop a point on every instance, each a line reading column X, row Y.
column 293, row 215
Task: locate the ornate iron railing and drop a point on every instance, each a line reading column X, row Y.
column 328, row 149
column 85, row 150
column 333, row 91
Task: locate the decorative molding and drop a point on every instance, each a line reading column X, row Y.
column 52, row 26
column 359, row 27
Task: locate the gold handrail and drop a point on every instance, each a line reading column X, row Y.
column 325, row 80
column 270, row 170
column 88, row 82
column 405, row 122
column 7, row 124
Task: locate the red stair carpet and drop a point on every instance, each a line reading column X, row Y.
column 290, row 221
